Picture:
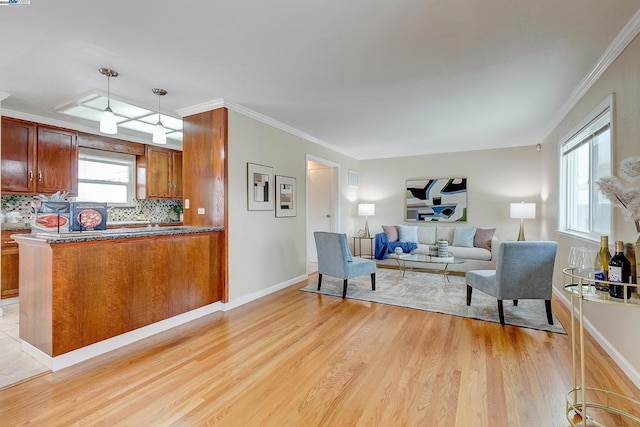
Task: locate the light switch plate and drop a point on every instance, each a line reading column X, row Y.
column 200, row 211
column 186, row 203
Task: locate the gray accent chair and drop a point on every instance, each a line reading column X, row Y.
column 524, row 270
column 334, row 259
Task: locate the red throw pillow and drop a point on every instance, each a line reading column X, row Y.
column 391, row 231
column 483, row 237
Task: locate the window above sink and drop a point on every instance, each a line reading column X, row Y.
column 105, row 176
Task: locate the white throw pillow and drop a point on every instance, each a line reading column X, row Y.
column 463, row 236
column 444, row 232
column 427, row 235
column 408, row 233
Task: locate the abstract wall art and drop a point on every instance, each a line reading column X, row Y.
column 286, row 198
column 259, row 187
column 437, row 199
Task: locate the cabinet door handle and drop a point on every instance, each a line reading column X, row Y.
column 30, row 175
column 39, row 175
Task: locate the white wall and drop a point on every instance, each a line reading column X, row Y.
column 265, row 251
column 495, row 178
column 616, row 327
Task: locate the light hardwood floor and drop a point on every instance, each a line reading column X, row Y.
column 296, row 358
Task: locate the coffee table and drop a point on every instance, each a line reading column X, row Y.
column 426, row 259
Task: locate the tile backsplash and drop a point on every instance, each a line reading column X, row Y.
column 148, row 210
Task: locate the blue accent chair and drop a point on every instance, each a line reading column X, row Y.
column 524, row 270
column 335, row 260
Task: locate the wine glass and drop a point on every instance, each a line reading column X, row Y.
column 573, row 256
column 586, row 267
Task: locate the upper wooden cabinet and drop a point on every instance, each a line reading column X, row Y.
column 38, row 158
column 18, row 157
column 159, row 174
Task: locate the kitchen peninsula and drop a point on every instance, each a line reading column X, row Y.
column 79, row 289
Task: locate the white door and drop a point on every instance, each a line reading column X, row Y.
column 320, row 204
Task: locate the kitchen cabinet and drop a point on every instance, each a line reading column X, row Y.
column 38, row 159
column 159, row 174
column 18, row 156
column 205, row 143
column 78, row 293
column 10, row 261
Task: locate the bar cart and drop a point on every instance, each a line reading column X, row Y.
column 582, row 289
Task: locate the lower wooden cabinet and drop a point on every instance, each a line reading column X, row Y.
column 10, row 262
column 77, row 294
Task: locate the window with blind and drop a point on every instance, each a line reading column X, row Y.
column 586, row 157
column 106, row 177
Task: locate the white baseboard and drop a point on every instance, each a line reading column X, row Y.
column 85, row 353
column 624, row 364
column 263, row 292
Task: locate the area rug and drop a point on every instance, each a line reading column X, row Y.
column 429, row 292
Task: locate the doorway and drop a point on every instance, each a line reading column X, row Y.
column 322, row 200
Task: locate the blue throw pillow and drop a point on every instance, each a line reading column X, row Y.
column 463, row 236
column 408, row 233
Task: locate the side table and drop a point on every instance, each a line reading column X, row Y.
column 357, row 249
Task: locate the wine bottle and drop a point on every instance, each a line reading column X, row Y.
column 630, row 254
column 598, row 273
column 604, row 258
column 619, row 272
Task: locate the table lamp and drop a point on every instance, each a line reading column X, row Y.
column 366, row 210
column 523, row 211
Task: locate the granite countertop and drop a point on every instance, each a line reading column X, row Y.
column 114, row 233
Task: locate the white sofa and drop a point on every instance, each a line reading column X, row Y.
column 477, row 258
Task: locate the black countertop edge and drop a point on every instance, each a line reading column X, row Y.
column 113, row 234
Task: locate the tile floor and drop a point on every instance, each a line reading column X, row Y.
column 16, row 366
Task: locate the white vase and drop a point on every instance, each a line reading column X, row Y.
column 443, row 249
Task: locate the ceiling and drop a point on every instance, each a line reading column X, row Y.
column 370, row 78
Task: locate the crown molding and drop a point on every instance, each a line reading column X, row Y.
column 3, row 96
column 234, row 106
column 619, row 43
column 201, row 108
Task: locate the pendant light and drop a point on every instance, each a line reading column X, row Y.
column 108, row 122
column 159, row 132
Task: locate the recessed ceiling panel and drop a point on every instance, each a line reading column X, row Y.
column 88, row 113
column 139, row 126
column 167, row 121
column 119, row 108
column 175, row 136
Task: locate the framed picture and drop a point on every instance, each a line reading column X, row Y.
column 440, row 199
column 259, row 187
column 286, row 197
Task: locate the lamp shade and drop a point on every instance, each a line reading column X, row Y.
column 108, row 122
column 523, row 210
column 366, row 209
column 159, row 134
